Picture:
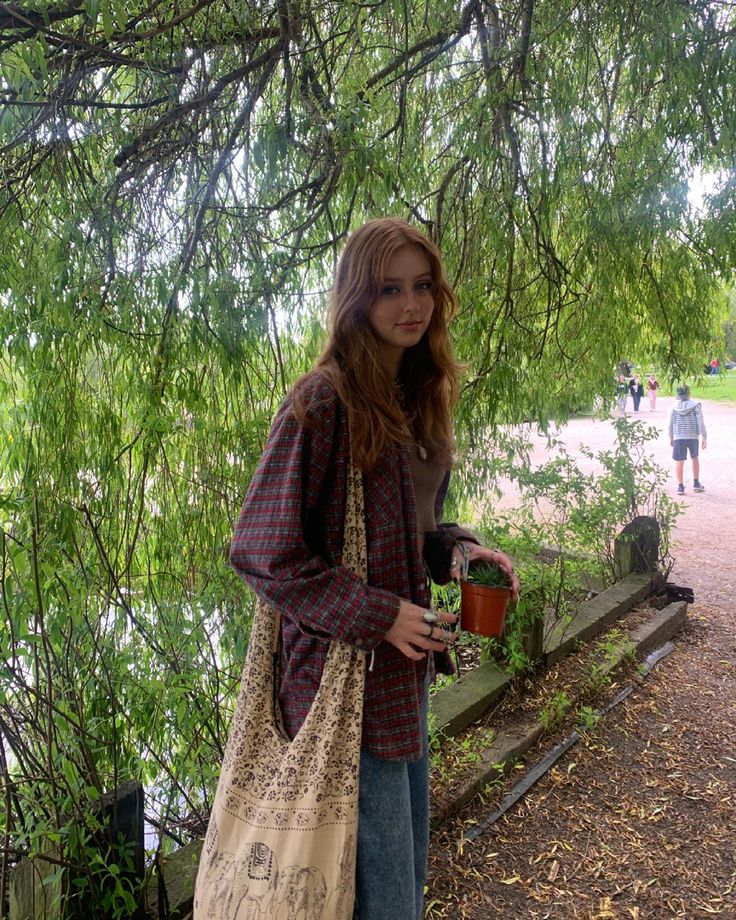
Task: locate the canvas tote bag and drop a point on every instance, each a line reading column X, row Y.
column 281, row 841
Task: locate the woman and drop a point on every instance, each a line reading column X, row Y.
column 622, row 391
column 636, row 388
column 652, row 387
column 384, row 389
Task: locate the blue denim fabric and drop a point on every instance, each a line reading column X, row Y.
column 393, row 837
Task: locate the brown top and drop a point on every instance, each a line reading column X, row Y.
column 427, row 476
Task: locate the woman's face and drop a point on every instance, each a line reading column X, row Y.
column 401, row 314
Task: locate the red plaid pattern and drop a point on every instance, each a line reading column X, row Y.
column 288, row 546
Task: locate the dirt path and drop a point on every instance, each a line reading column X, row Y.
column 637, row 821
column 705, row 541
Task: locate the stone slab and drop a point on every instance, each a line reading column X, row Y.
column 655, row 631
column 455, row 707
column 496, row 760
column 179, row 873
column 594, row 615
column 36, row 887
column 507, row 747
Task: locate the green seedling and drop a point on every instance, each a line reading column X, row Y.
column 492, row 576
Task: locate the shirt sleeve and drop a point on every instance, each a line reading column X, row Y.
column 701, row 424
column 440, row 544
column 269, row 549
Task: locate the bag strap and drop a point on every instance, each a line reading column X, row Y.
column 354, row 557
column 354, row 550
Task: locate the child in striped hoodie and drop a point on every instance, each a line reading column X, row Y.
column 686, row 426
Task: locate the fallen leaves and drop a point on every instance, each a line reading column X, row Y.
column 639, row 826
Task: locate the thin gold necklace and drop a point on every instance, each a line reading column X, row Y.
column 401, row 400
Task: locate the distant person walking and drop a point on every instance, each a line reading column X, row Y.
column 686, row 426
column 636, row 388
column 652, row 387
column 622, row 392
column 714, row 366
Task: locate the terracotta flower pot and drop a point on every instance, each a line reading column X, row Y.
column 483, row 608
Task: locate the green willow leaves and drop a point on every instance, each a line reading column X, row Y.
column 175, row 183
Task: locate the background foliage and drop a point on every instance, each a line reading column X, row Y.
column 175, row 181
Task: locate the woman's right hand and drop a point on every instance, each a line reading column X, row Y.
column 414, row 637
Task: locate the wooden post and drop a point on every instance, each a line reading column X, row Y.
column 636, row 548
column 532, row 638
column 32, row 896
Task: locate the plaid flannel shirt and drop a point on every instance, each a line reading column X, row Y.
column 288, row 546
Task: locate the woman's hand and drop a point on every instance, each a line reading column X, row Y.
column 477, row 553
column 414, row 637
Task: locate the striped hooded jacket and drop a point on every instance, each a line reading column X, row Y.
column 686, row 421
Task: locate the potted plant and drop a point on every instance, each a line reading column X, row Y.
column 485, row 595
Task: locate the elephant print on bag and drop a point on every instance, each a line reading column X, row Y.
column 300, row 894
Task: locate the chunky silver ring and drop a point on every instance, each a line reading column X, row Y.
column 431, row 630
column 431, row 616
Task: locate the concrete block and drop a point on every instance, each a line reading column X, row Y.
column 36, row 886
column 457, row 706
column 179, row 872
column 660, row 627
column 496, row 761
column 594, row 615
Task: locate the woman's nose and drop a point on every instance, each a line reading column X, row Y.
column 412, row 301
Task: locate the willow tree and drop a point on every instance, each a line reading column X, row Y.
column 175, row 184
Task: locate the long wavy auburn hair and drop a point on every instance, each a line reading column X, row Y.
column 382, row 414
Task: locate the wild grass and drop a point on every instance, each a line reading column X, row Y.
column 721, row 388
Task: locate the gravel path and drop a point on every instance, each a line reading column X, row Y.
column 636, row 822
column 704, row 546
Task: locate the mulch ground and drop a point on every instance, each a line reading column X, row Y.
column 636, row 821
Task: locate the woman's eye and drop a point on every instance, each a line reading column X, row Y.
column 391, row 289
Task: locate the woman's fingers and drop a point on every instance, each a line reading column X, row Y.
column 413, row 635
column 409, row 651
column 433, row 636
column 441, row 638
column 443, row 617
column 478, row 553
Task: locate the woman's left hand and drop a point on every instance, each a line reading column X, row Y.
column 476, row 553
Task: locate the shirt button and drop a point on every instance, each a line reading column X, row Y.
column 359, row 643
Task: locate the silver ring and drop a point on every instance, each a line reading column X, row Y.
column 431, row 630
column 431, row 616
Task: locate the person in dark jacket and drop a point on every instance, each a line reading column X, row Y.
column 636, row 388
column 383, row 391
